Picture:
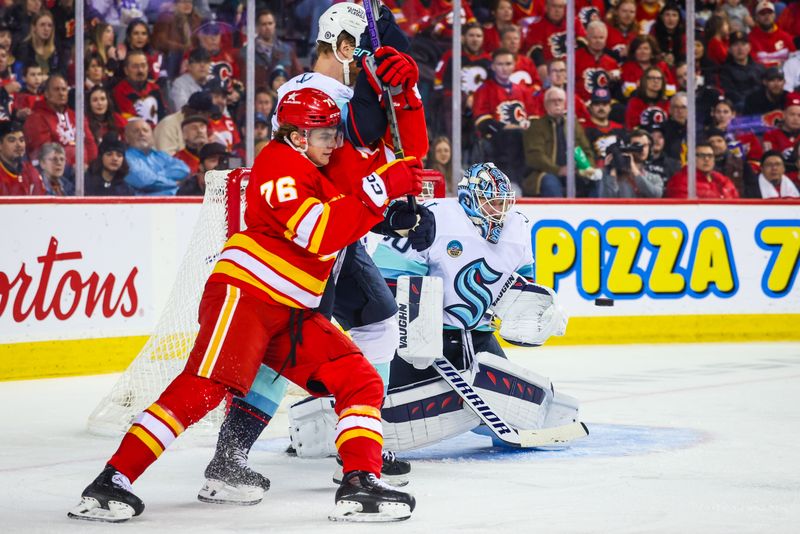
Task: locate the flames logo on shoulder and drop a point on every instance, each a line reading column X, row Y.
column 470, row 285
column 595, row 79
column 558, row 44
column 652, row 115
column 472, row 76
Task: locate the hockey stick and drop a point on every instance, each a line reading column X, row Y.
column 509, row 435
column 371, row 7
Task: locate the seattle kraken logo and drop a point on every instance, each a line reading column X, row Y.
column 470, row 285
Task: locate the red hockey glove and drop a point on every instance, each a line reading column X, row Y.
column 396, row 68
column 394, row 179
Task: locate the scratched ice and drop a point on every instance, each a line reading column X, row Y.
column 685, row 438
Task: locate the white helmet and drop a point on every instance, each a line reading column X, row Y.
column 344, row 17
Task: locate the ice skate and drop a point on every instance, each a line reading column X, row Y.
column 229, row 480
column 109, row 499
column 363, row 497
column 394, row 470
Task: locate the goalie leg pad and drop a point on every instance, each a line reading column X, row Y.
column 312, row 427
column 522, row 397
column 420, row 302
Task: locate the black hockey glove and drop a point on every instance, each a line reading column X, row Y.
column 422, row 235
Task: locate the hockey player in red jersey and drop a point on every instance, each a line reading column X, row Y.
column 256, row 307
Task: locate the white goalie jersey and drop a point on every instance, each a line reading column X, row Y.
column 475, row 272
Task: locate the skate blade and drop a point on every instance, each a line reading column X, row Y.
column 398, row 481
column 218, row 492
column 351, row 511
column 90, row 509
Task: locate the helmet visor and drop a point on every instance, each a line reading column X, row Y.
column 325, row 137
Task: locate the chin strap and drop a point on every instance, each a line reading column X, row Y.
column 345, row 68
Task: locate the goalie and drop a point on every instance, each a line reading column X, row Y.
column 483, row 255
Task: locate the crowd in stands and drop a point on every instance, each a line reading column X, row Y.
column 165, row 92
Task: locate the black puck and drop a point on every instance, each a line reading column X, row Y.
column 603, row 302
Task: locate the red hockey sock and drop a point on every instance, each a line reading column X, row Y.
column 186, row 400
column 359, row 439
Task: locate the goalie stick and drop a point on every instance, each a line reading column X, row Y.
column 515, row 437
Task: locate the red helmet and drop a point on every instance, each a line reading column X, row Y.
column 308, row 108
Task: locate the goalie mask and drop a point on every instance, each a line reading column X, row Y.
column 486, row 195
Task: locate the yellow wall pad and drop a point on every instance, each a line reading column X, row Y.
column 46, row 359
column 678, row 329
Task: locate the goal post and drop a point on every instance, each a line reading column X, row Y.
column 165, row 352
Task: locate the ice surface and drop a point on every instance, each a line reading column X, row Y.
column 684, row 438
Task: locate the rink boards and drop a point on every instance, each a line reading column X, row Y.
column 82, row 282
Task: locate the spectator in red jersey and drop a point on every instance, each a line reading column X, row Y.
column 622, row 28
column 647, row 13
column 101, row 115
column 224, row 67
column 545, row 145
column 52, row 121
column 475, row 67
column 441, row 18
column 710, row 183
column 221, row 128
column 194, row 129
column 731, row 164
column 669, row 31
column 789, row 21
column 770, row 45
column 30, row 93
column 651, row 93
column 172, row 33
column 644, row 53
column 17, row 176
column 408, row 14
column 594, row 67
column 213, row 156
column 546, row 39
column 53, row 167
column 744, row 144
column 271, row 51
column 770, row 96
column 40, row 45
column 526, row 12
column 525, row 72
column 600, row 130
column 587, row 11
column 502, row 18
column 675, row 127
column 502, row 111
column 106, row 174
column 740, row 73
column 773, row 182
column 783, row 138
column 136, row 96
column 137, row 37
column 716, row 34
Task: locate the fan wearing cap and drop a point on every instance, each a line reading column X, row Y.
column 106, row 174
column 261, row 128
column 224, row 69
column 740, row 73
column 197, row 72
column 730, row 163
column 17, row 176
column 169, row 132
column 600, row 130
column 194, row 129
column 212, row 156
column 221, row 127
column 783, row 138
column 257, row 306
column 770, row 96
column 770, row 45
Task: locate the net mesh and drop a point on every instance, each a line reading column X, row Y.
column 165, row 353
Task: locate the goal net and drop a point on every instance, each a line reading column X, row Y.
column 165, row 353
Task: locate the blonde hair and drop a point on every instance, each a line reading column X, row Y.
column 47, row 48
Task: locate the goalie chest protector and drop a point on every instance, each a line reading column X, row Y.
column 474, row 271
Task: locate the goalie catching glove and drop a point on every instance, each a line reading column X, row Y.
column 394, row 179
column 529, row 314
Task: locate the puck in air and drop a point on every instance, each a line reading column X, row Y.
column 603, row 302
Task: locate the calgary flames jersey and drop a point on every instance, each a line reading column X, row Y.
column 297, row 221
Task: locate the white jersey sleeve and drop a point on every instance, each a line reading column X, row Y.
column 335, row 89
